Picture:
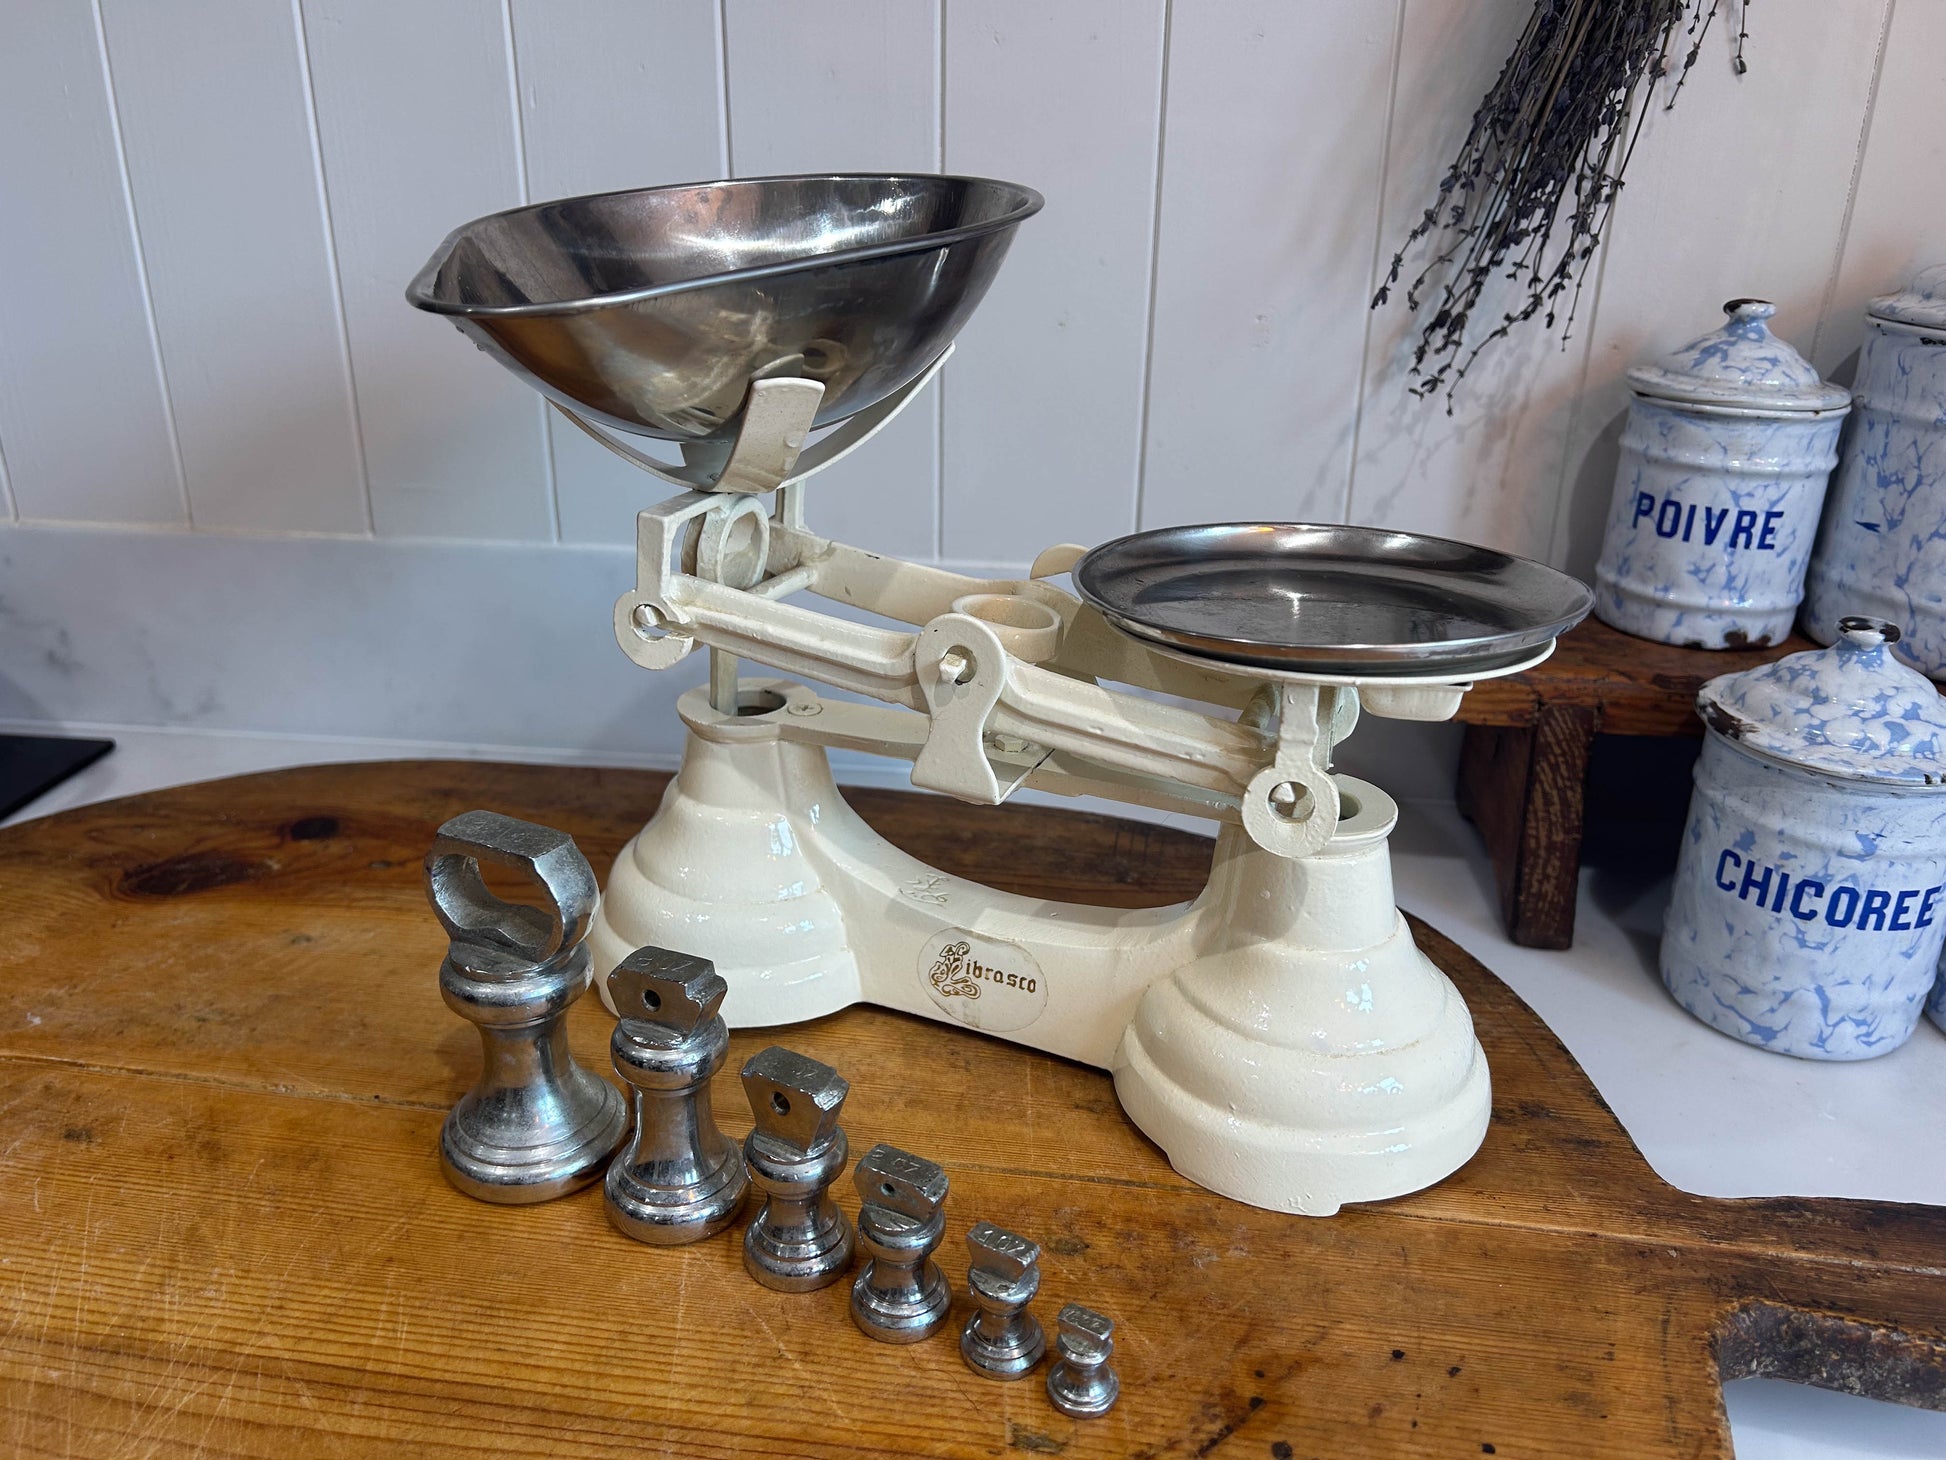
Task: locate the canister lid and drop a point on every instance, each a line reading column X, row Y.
column 1741, row 365
column 1921, row 303
column 1851, row 710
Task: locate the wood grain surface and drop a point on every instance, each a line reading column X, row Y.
column 1635, row 686
column 1524, row 788
column 224, row 1061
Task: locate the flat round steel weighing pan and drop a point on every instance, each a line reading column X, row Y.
column 1328, row 599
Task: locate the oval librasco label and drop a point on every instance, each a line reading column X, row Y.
column 982, row 982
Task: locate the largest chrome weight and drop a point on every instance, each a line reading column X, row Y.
column 1281, row 1037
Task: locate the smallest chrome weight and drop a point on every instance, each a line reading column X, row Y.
column 1082, row 1380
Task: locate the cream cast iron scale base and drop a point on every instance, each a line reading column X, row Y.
column 1281, row 1038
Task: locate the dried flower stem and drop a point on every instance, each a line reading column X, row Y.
column 1546, row 151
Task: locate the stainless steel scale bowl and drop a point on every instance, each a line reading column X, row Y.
column 652, row 310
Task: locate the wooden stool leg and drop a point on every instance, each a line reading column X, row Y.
column 1522, row 786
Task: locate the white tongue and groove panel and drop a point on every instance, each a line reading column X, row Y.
column 1488, row 471
column 1044, row 399
column 217, row 127
column 84, row 424
column 849, row 86
column 1898, row 208
column 615, row 94
column 1740, row 191
column 415, row 113
column 1273, row 149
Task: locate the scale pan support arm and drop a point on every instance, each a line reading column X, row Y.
column 769, row 451
column 975, row 691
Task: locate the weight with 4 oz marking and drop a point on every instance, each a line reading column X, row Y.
column 1809, row 906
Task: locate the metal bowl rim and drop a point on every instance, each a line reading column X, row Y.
column 1422, row 652
column 420, row 291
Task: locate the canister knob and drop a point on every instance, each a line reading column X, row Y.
column 1862, row 631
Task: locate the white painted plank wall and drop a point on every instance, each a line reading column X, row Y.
column 1192, row 301
column 1898, row 210
column 614, row 94
column 1261, row 316
column 1488, row 470
column 415, row 107
column 216, row 120
column 84, row 425
column 1044, row 400
column 848, row 86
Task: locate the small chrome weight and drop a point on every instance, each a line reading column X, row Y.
column 1002, row 1340
column 798, row 1240
column 1081, row 1382
column 901, row 1296
column 536, row 1125
column 681, row 1179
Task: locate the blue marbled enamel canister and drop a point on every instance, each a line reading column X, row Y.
column 1728, row 447
column 1809, row 906
column 1882, row 548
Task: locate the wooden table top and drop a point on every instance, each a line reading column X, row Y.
column 1636, row 686
column 223, row 1230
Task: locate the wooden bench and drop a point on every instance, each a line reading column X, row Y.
column 1524, row 764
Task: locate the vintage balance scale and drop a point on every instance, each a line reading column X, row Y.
column 1281, row 1037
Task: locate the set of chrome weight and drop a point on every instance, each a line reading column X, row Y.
column 537, row 1125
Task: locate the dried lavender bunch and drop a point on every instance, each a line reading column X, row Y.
column 1545, row 156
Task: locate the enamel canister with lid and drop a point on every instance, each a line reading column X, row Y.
column 1724, row 460
column 1809, row 905
column 1882, row 547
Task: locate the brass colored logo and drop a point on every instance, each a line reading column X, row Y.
column 982, row 981
column 950, row 974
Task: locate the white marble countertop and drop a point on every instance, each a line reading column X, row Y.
column 1711, row 1115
